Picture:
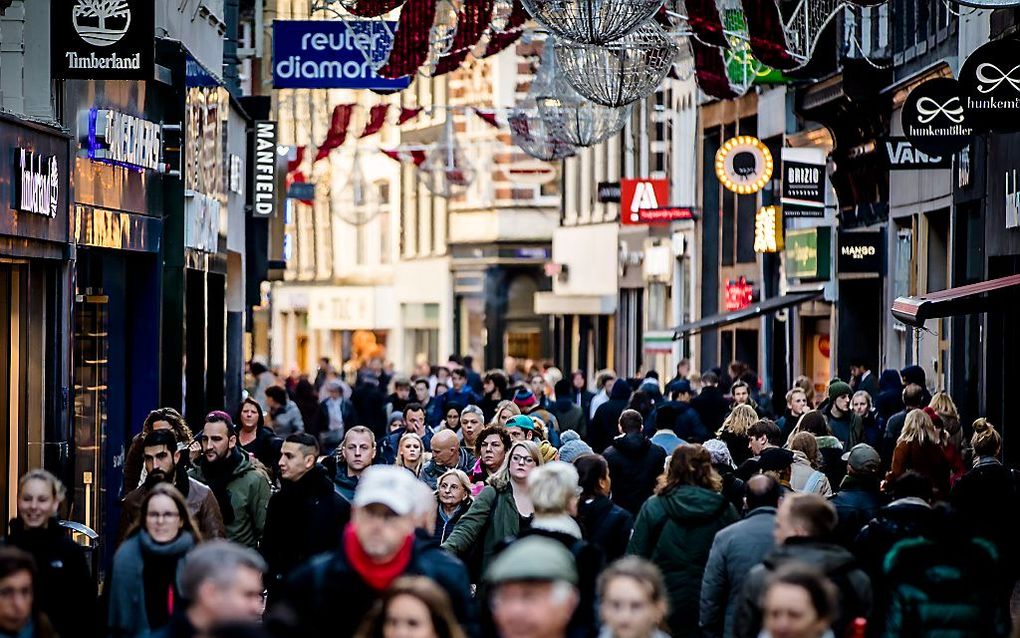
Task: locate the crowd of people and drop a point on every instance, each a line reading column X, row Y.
column 525, row 503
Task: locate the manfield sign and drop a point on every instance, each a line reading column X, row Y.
column 332, row 54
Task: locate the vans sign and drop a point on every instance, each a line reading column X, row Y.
column 904, row 156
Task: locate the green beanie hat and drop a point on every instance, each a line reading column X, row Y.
column 837, row 389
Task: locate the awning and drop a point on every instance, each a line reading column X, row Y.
column 962, row 300
column 766, row 307
column 549, row 303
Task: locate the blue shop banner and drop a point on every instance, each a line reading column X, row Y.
column 332, row 54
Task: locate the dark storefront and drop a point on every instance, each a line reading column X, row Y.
column 34, row 301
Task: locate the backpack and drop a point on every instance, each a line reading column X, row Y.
column 946, row 590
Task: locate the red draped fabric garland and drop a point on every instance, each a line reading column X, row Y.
column 376, row 119
column 411, row 42
column 337, row 134
column 373, row 8
column 768, row 34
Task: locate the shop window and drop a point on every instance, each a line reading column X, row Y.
column 739, row 345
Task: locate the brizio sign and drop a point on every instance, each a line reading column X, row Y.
column 264, row 169
column 934, row 119
column 903, row 156
column 102, row 39
column 803, row 182
column 990, row 86
column 37, row 183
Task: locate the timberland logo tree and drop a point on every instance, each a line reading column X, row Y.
column 101, row 23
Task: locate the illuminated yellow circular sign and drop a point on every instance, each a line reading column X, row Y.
column 743, row 165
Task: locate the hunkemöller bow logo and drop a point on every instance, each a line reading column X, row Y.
column 988, row 83
column 928, row 109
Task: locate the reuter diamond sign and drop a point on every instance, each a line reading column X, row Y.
column 102, row 39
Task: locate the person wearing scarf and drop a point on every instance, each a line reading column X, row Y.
column 240, row 485
column 377, row 547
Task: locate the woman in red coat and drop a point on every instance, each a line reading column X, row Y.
column 919, row 448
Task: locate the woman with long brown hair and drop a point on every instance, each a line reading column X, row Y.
column 413, row 607
column 144, row 586
column 675, row 529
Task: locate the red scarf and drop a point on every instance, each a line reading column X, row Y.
column 377, row 575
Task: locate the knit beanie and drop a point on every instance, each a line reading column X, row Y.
column 837, row 389
column 573, row 446
column 720, row 452
column 525, row 399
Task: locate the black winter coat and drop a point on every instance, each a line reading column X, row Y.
column 67, row 591
column 605, row 425
column 605, row 525
column 266, row 448
column 686, row 421
column 327, row 598
column 712, row 407
column 905, row 518
column 635, row 464
column 369, row 403
column 856, row 503
column 306, row 517
column 987, row 499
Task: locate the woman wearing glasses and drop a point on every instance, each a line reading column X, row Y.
column 145, row 582
column 500, row 510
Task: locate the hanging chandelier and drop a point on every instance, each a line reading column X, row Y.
column 532, row 135
column 577, row 121
column 446, row 172
column 620, row 72
column 592, row 21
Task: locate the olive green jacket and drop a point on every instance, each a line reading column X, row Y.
column 249, row 496
column 492, row 517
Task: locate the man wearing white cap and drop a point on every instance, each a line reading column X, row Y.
column 330, row 594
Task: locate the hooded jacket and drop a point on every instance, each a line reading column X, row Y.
column 890, row 394
column 735, row 550
column 605, row 425
column 306, row 517
column 682, row 418
column 838, row 564
column 635, row 463
column 675, row 531
column 66, row 590
column 249, row 492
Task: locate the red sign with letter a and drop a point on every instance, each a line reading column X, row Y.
column 637, row 195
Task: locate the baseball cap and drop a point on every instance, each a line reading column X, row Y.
column 521, row 421
column 533, row 558
column 863, row 458
column 775, row 459
column 387, row 485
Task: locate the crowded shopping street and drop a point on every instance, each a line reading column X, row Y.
column 509, row 318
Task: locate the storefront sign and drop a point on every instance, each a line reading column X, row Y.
column 807, row 253
column 739, row 295
column 332, row 54
column 803, row 182
column 341, row 308
column 36, row 183
column 768, row 230
column 637, row 195
column 264, row 171
column 201, row 222
column 861, row 252
column 102, row 39
column 609, row 193
column 934, row 119
column 123, row 140
column 743, row 165
column 990, row 86
column 903, row 156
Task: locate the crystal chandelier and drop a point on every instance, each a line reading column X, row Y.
column 446, row 172
column 592, row 21
column 620, row 72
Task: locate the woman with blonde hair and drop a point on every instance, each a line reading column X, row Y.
column 734, row 432
column 498, row 511
column 410, row 453
column 676, row 527
column 505, row 411
column 412, row 606
column 956, row 442
column 145, row 583
column 65, row 590
column 804, row 473
column 919, row 448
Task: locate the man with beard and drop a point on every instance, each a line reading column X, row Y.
column 306, row 516
column 241, row 490
column 163, row 465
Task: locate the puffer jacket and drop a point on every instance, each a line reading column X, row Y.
column 635, row 464
column 675, row 531
column 249, row 498
column 837, row 563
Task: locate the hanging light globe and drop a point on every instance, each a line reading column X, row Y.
column 577, row 121
column 532, row 135
column 592, row 21
column 446, row 172
column 622, row 71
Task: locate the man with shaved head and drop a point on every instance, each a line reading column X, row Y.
column 447, row 454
